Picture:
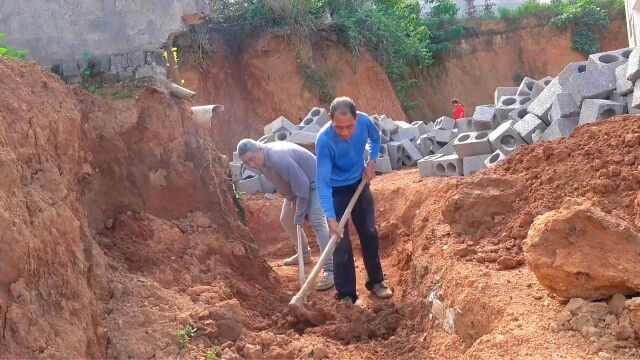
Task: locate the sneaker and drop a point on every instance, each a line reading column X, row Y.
column 293, row 261
column 346, row 300
column 326, row 282
column 382, row 291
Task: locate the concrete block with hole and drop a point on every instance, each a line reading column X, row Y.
column 464, row 125
column 608, row 58
column 249, row 186
column 383, row 164
column 570, row 70
column 426, row 166
column 281, row 135
column 526, row 86
column 411, row 153
column 503, row 91
column 472, row 144
column 541, row 106
column 495, row 158
column 236, row 157
column 421, row 126
column 615, row 97
column 236, row 169
column 635, row 97
column 559, row 128
column 443, row 136
column 427, row 144
column 267, row 139
column 447, row 149
column 540, row 85
column 385, row 136
column 279, row 125
column 505, row 138
column 473, row 164
column 449, row 165
column 630, row 109
column 594, row 110
column 445, row 123
column 405, row 132
column 317, row 116
column 384, row 151
column 524, row 100
column 623, row 85
column 249, row 173
column 302, row 138
column 395, row 152
column 505, row 106
column 529, row 126
column 518, row 114
column 266, row 186
column 484, row 118
column 312, row 128
column 633, row 65
column 563, row 107
column 592, row 84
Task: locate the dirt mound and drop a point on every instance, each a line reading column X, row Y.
column 598, row 162
column 579, row 251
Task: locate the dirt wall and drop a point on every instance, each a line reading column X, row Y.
column 478, row 64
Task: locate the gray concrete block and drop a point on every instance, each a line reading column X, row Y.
column 494, row 159
column 427, row 144
column 426, row 166
column 249, row 173
column 445, row 123
column 236, row 157
column 396, row 153
column 524, row 100
column 405, row 133
column 267, row 139
column 385, row 136
column 630, row 108
column 559, row 128
column 633, row 66
column 317, row 116
column 472, row 144
column 388, row 124
column 570, row 70
column 594, row 110
column 450, row 165
column 503, row 91
column 540, row 85
column 563, row 107
column 505, row 138
column 592, row 84
column 615, row 97
column 281, row 135
column 484, row 118
column 526, row 86
column 505, row 106
column 312, row 128
column 301, row 138
column 447, row 149
column 430, row 125
column 248, row 186
column 518, row 114
column 384, row 151
column 473, row 164
column 443, row 136
column 528, row 126
column 281, row 123
column 464, row 125
column 607, row 58
column 623, row 85
column 541, row 106
column 421, row 126
column 411, row 153
column 236, row 169
column 265, row 185
column 383, row 165
column 635, row 99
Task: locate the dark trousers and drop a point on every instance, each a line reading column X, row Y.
column 363, row 217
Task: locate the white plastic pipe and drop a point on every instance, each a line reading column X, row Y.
column 182, row 93
column 202, row 115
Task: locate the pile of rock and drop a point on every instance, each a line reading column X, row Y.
column 538, row 110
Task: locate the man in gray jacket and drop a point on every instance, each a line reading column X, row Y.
column 292, row 171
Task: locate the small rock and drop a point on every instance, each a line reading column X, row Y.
column 491, row 258
column 267, row 338
column 564, row 318
column 616, row 304
column 507, row 263
column 595, row 310
column 580, row 321
column 320, row 353
column 590, row 332
column 604, row 355
column 464, row 250
column 632, row 140
column 228, row 354
column 252, row 352
column 109, row 224
column 575, row 305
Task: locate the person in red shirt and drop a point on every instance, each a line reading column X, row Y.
column 458, row 109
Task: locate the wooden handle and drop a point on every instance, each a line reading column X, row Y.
column 329, row 249
column 300, row 233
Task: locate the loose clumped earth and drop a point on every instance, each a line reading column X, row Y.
column 119, row 230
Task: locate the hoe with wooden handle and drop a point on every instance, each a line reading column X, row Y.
column 296, row 305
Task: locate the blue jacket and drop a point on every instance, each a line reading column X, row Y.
column 341, row 162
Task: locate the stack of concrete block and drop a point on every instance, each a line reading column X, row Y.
column 280, row 129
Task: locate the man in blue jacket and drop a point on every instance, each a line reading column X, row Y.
column 340, row 149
